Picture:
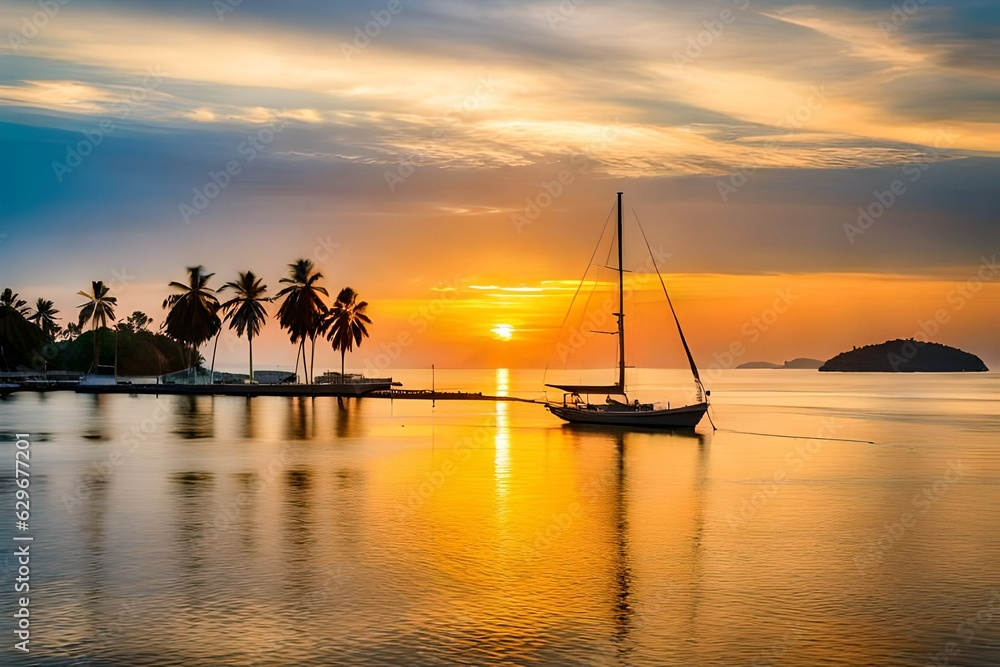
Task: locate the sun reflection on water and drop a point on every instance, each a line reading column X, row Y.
column 501, row 458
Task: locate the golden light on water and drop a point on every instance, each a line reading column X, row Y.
column 503, row 331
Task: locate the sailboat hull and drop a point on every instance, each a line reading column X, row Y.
column 686, row 416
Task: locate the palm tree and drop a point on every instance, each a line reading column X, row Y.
column 138, row 321
column 303, row 311
column 345, row 325
column 18, row 337
column 45, row 317
column 72, row 331
column 193, row 314
column 98, row 310
column 245, row 311
column 10, row 299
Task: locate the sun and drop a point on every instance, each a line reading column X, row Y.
column 503, row 331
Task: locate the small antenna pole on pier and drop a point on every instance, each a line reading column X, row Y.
column 433, row 393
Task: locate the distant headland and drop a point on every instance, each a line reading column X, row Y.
column 800, row 363
column 905, row 356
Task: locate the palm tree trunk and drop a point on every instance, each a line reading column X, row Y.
column 312, row 362
column 250, row 338
column 215, row 348
column 302, row 353
column 97, row 352
column 296, row 365
column 342, row 353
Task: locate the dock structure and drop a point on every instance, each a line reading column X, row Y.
column 348, row 386
column 354, row 388
column 431, row 395
column 351, row 385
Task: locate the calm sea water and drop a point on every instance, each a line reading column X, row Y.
column 275, row 531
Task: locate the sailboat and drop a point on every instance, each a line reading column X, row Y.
column 617, row 410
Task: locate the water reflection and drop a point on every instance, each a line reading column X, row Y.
column 485, row 532
column 243, row 510
column 301, row 418
column 501, row 444
column 345, row 423
column 194, row 417
column 249, row 422
column 96, row 418
column 193, row 516
column 298, row 497
column 622, row 558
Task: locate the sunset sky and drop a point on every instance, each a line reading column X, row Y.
column 421, row 164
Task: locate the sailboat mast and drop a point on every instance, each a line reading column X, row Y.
column 621, row 302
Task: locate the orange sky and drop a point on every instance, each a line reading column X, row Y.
column 456, row 169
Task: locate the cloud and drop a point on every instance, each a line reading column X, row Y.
column 483, row 104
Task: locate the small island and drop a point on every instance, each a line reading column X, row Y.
column 905, row 356
column 800, row 363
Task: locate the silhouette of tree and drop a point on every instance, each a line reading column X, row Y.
column 45, row 318
column 10, row 299
column 18, row 336
column 71, row 331
column 245, row 312
column 193, row 313
column 138, row 321
column 98, row 310
column 345, row 323
column 302, row 312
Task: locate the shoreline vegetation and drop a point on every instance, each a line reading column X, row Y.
column 33, row 340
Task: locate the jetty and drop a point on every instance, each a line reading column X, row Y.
column 430, row 395
column 354, row 388
column 327, row 385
